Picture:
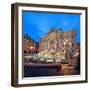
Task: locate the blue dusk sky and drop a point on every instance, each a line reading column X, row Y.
column 37, row 24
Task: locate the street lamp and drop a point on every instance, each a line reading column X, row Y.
column 66, row 40
column 31, row 48
column 70, row 44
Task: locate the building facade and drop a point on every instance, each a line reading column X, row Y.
column 29, row 44
column 58, row 41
